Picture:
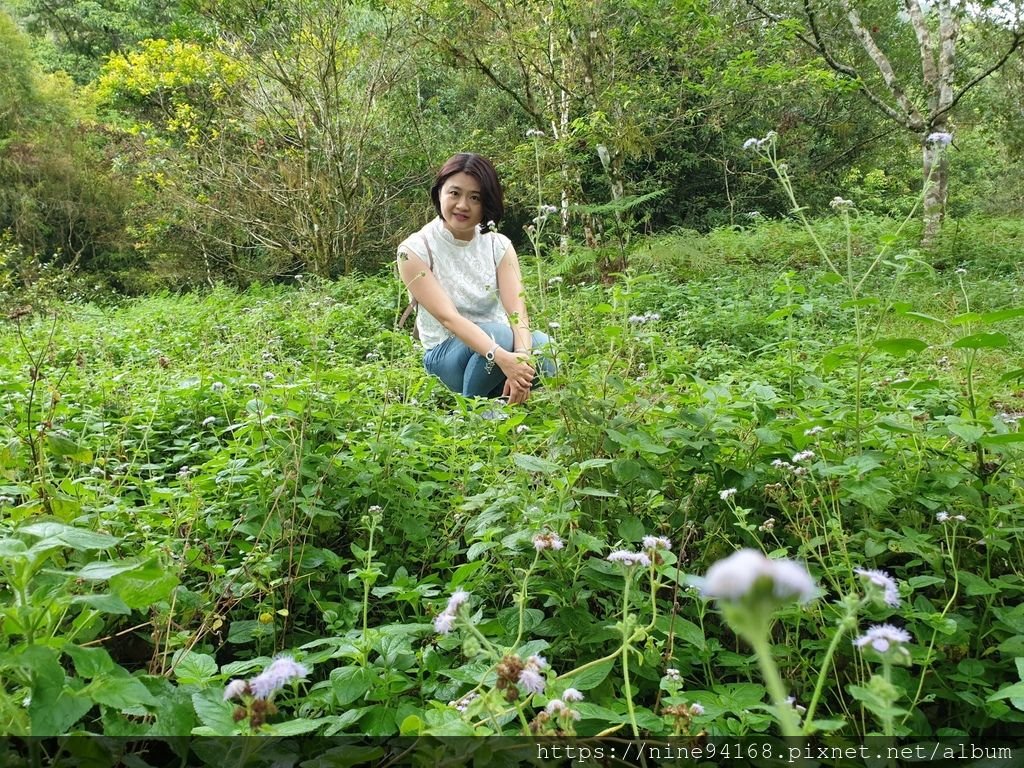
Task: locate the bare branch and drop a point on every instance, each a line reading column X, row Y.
column 911, row 116
column 1015, row 43
column 929, row 67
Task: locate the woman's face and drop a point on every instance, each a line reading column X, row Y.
column 462, row 206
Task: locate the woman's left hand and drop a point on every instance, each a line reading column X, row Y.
column 515, row 393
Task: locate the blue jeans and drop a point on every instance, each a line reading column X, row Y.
column 463, row 370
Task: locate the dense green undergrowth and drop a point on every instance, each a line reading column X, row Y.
column 191, row 485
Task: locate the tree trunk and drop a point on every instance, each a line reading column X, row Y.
column 936, row 173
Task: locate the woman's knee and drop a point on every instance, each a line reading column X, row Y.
column 501, row 333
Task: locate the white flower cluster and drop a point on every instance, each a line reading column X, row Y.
column 531, row 678
column 796, row 471
column 755, row 144
column 939, row 139
column 883, row 637
column 840, row 203
column 884, row 582
column 445, row 620
column 533, row 133
column 649, row 317
column 656, row 543
column 736, row 577
column 629, row 559
column 945, row 517
column 462, row 704
column 726, row 494
column 281, row 671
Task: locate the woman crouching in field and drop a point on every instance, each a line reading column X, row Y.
column 465, row 279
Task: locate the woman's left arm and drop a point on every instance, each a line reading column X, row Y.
column 510, row 291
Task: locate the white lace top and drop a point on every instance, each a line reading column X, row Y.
column 466, row 270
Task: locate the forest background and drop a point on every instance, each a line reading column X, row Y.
column 777, row 248
column 153, row 145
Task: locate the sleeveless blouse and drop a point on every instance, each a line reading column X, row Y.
column 467, row 270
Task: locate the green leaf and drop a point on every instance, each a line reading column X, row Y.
column 894, row 425
column 351, row 683
column 900, row 346
column 214, row 713
column 874, row 702
column 591, row 677
column 90, row 662
column 535, row 464
column 144, row 586
column 100, row 571
column 690, row 633
column 69, row 536
column 52, row 709
column 924, row 317
column 103, row 603
column 1008, row 439
column 120, row 691
column 294, row 727
column 12, row 548
column 466, row 570
column 969, row 433
column 191, row 668
column 1015, row 691
column 982, row 341
column 1002, row 314
column 596, row 492
column 62, row 446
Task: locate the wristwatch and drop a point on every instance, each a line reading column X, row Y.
column 489, row 357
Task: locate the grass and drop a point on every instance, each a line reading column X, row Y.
column 275, row 471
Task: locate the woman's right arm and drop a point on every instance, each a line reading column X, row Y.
column 430, row 295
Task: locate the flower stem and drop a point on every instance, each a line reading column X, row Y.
column 776, row 688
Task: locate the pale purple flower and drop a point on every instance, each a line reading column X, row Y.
column 281, row 671
column 656, row 542
column 443, row 623
column 532, row 680
column 629, row 559
column 940, row 139
column 791, row 581
column 840, row 203
column 750, row 144
column 885, row 582
column 555, row 707
column 696, row 709
column 815, row 430
column 234, row 689
column 726, row 494
column 882, row 637
column 217, row 386
column 458, row 598
column 537, row 662
column 734, row 577
column 572, row 695
column 803, row 456
column 462, row 704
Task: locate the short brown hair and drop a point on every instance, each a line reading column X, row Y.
column 481, row 169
